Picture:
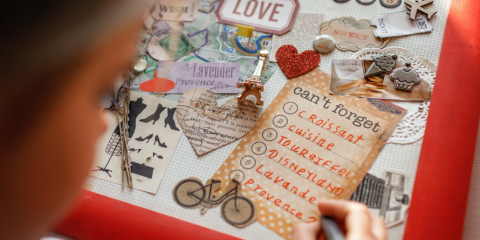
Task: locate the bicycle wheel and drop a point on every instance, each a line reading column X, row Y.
column 189, row 193
column 238, row 210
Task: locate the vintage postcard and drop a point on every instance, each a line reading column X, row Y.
column 348, row 80
column 306, row 26
column 308, row 145
column 154, row 134
column 208, row 126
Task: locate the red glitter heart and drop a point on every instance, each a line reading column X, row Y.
column 294, row 64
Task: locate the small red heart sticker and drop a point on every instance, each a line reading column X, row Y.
column 294, row 64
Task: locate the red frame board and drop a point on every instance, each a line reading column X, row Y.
column 443, row 177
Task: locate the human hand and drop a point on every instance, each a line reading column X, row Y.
column 353, row 218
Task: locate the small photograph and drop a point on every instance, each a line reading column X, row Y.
column 383, row 77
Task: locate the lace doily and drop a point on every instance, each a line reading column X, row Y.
column 412, row 126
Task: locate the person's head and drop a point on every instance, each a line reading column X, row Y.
column 57, row 59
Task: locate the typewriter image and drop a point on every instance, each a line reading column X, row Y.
column 385, row 196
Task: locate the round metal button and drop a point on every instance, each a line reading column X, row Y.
column 324, row 44
column 140, row 65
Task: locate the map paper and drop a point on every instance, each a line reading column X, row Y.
column 308, row 145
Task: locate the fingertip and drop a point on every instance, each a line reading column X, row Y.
column 306, row 231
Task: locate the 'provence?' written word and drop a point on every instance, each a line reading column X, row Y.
column 217, row 77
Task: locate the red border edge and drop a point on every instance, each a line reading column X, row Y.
column 98, row 217
column 440, row 193
column 443, row 176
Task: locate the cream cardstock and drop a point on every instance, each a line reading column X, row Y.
column 156, row 133
column 209, row 126
column 308, row 145
column 270, row 16
column 351, row 34
column 178, row 10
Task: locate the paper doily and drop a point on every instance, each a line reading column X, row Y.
column 412, row 126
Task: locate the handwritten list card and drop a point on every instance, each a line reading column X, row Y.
column 308, row 145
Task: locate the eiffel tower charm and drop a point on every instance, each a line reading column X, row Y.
column 253, row 85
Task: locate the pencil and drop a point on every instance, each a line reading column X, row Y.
column 331, row 228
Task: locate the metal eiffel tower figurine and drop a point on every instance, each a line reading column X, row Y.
column 253, row 85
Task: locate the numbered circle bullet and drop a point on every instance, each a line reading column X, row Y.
column 237, row 175
column 280, row 121
column 269, row 134
column 248, row 162
column 290, row 108
column 324, row 44
column 259, row 148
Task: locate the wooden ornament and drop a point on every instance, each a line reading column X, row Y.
column 415, row 7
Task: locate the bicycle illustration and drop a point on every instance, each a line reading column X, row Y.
column 236, row 210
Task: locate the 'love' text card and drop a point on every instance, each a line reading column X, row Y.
column 308, row 145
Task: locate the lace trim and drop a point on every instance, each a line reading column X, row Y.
column 412, row 126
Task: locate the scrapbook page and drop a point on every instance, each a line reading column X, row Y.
column 308, row 145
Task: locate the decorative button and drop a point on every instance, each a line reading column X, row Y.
column 324, row 44
column 140, row 65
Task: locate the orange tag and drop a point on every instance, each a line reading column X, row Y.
column 157, row 84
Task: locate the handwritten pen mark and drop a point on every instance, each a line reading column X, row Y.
column 331, row 132
column 312, row 160
column 292, row 192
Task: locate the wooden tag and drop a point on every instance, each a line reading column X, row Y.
column 351, row 34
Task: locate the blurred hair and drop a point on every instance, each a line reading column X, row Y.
column 41, row 41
